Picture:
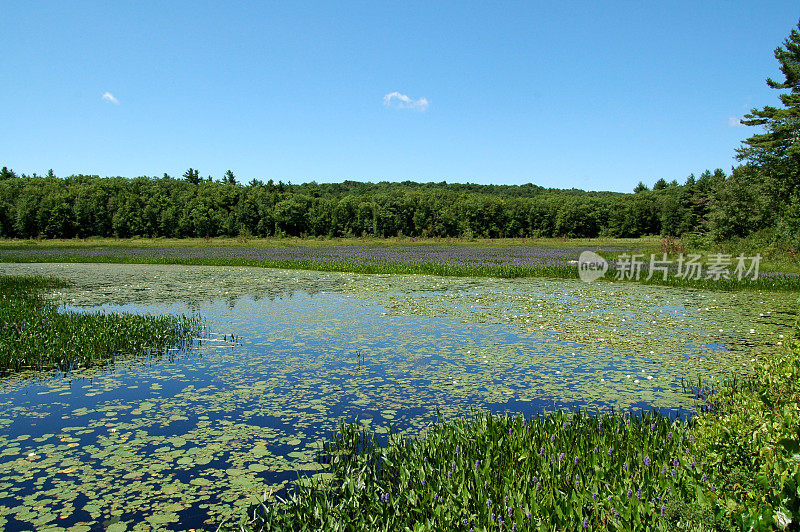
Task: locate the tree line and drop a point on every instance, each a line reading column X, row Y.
column 83, row 206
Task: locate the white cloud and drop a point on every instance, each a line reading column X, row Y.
column 734, row 122
column 401, row 101
column 107, row 96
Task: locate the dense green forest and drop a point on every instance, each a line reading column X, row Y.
column 762, row 195
column 82, row 206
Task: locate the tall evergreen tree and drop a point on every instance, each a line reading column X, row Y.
column 776, row 151
column 229, row 178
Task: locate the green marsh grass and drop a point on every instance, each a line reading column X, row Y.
column 490, row 472
column 35, row 335
column 770, row 283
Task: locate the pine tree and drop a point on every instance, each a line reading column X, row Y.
column 776, row 151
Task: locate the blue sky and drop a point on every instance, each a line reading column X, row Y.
column 593, row 95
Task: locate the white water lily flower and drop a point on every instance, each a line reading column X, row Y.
column 752, row 331
column 649, row 377
column 636, row 381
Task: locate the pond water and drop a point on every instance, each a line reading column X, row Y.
column 190, row 439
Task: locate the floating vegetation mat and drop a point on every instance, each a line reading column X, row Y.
column 190, row 441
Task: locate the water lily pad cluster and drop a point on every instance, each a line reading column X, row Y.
column 191, row 440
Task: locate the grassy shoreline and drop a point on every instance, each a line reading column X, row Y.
column 507, row 258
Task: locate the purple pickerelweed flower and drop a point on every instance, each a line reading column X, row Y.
column 541, row 451
column 488, row 503
column 664, row 470
column 646, row 461
column 514, row 525
column 674, row 473
column 653, row 426
column 712, row 487
column 669, row 436
column 639, row 493
column 616, row 514
column 594, row 496
column 510, row 511
column 610, row 451
column 423, row 481
column 576, row 460
column 552, row 438
column 458, row 449
column 477, row 463
column 560, row 457
column 528, row 515
column 538, row 486
column 663, row 510
column 705, row 478
column 625, row 466
column 630, row 493
column 585, row 523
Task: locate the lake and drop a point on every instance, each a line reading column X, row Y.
column 193, row 437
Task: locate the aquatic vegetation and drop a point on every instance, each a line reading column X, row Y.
column 287, row 355
column 512, row 261
column 33, row 334
column 506, row 472
column 736, row 466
